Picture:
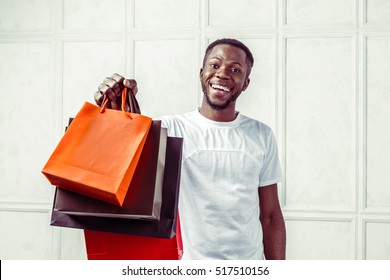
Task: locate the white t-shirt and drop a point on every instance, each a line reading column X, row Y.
column 223, row 165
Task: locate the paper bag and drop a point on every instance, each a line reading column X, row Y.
column 99, row 152
column 144, row 197
column 116, row 246
column 165, row 227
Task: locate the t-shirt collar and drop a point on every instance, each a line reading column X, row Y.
column 209, row 122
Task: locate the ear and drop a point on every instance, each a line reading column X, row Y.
column 246, row 84
column 201, row 73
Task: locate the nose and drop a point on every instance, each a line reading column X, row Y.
column 222, row 73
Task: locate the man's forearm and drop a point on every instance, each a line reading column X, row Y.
column 274, row 238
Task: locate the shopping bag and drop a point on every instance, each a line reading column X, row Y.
column 98, row 153
column 144, row 197
column 165, row 227
column 115, row 246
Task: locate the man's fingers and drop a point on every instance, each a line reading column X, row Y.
column 118, row 85
column 109, row 82
column 99, row 97
column 132, row 85
column 108, row 91
column 115, row 86
column 118, row 78
column 103, row 88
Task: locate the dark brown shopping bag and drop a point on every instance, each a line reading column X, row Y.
column 165, row 227
column 144, row 198
column 99, row 152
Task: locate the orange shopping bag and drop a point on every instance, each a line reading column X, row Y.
column 98, row 153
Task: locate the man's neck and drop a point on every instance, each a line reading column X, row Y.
column 226, row 115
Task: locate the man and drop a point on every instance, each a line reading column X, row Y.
column 228, row 203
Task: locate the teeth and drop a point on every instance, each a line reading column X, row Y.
column 220, row 87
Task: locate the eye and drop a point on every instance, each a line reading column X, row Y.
column 214, row 66
column 236, row 70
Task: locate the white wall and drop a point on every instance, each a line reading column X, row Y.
column 320, row 80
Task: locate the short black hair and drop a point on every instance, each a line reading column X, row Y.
column 234, row 43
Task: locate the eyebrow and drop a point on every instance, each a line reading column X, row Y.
column 233, row 62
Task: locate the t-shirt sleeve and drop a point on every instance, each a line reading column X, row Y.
column 171, row 124
column 271, row 171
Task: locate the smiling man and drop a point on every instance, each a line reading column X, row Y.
column 225, row 74
column 229, row 207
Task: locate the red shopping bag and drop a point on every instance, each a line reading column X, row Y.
column 99, row 152
column 116, row 246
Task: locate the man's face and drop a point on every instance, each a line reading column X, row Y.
column 224, row 76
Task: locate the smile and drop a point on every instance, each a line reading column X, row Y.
column 220, row 87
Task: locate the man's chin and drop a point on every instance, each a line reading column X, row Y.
column 216, row 106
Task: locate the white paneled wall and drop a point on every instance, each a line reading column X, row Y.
column 320, row 80
column 378, row 116
column 319, row 13
column 320, row 113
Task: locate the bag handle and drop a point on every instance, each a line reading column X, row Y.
column 134, row 106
